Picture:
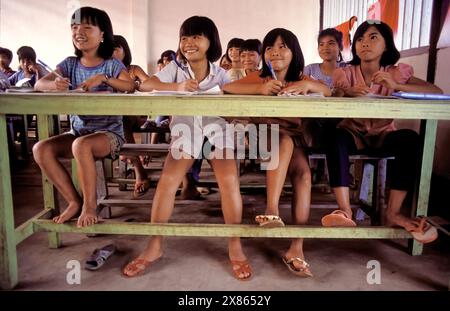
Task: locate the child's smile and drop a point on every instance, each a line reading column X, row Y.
column 86, row 36
column 194, row 47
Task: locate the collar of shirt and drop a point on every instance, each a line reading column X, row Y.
column 212, row 71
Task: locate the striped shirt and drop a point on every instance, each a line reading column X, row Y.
column 72, row 68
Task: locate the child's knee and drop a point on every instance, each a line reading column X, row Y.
column 302, row 177
column 41, row 151
column 80, row 145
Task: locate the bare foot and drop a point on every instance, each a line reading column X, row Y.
column 191, row 194
column 70, row 212
column 394, row 220
column 87, row 218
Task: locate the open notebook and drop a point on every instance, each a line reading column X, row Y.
column 212, row 91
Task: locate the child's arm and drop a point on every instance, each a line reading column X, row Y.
column 412, row 85
column 140, row 73
column 307, row 86
column 122, row 83
column 271, row 87
column 155, row 84
column 51, row 82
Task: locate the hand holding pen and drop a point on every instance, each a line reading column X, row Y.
column 185, row 70
column 60, row 82
column 269, row 64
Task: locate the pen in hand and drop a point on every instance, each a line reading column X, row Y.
column 51, row 70
column 174, row 58
column 269, row 64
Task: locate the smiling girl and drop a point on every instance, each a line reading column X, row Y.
column 282, row 49
column 373, row 70
column 199, row 46
column 91, row 137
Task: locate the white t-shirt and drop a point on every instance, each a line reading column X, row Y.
column 172, row 73
column 212, row 128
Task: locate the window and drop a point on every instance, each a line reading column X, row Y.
column 414, row 18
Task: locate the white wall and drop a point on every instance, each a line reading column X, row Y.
column 45, row 25
column 234, row 18
column 152, row 26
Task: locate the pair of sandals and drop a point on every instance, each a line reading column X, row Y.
column 423, row 233
column 241, row 269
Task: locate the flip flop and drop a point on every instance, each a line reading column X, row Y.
column 302, row 272
column 99, row 257
column 337, row 218
column 240, row 268
column 137, row 267
column 425, row 233
column 269, row 221
column 141, row 188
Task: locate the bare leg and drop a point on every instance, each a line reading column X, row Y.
column 85, row 150
column 189, row 189
column 164, row 200
column 140, row 173
column 276, row 178
column 300, row 175
column 46, row 154
column 394, row 217
column 231, row 201
column 343, row 199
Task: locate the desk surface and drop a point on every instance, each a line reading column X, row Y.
column 222, row 105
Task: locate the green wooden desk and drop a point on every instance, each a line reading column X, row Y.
column 46, row 105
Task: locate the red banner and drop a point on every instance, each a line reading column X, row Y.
column 386, row 11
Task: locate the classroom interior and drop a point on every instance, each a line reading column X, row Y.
column 193, row 263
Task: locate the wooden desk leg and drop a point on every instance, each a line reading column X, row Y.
column 428, row 131
column 45, row 129
column 8, row 256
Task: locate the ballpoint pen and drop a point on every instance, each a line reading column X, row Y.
column 269, row 64
column 51, row 70
column 174, row 58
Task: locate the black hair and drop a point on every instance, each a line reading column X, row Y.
column 169, row 54
column 99, row 18
column 221, row 59
column 159, row 61
column 251, row 45
column 121, row 42
column 7, row 53
column 201, row 25
column 233, row 43
column 337, row 35
column 295, row 70
column 26, row 52
column 390, row 56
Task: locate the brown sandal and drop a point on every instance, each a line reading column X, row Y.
column 337, row 218
column 136, row 267
column 241, row 270
column 425, row 233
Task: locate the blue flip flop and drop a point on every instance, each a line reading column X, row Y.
column 99, row 257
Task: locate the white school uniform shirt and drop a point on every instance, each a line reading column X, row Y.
column 189, row 132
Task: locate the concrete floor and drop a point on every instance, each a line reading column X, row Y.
column 202, row 264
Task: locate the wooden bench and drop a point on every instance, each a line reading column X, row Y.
column 373, row 181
